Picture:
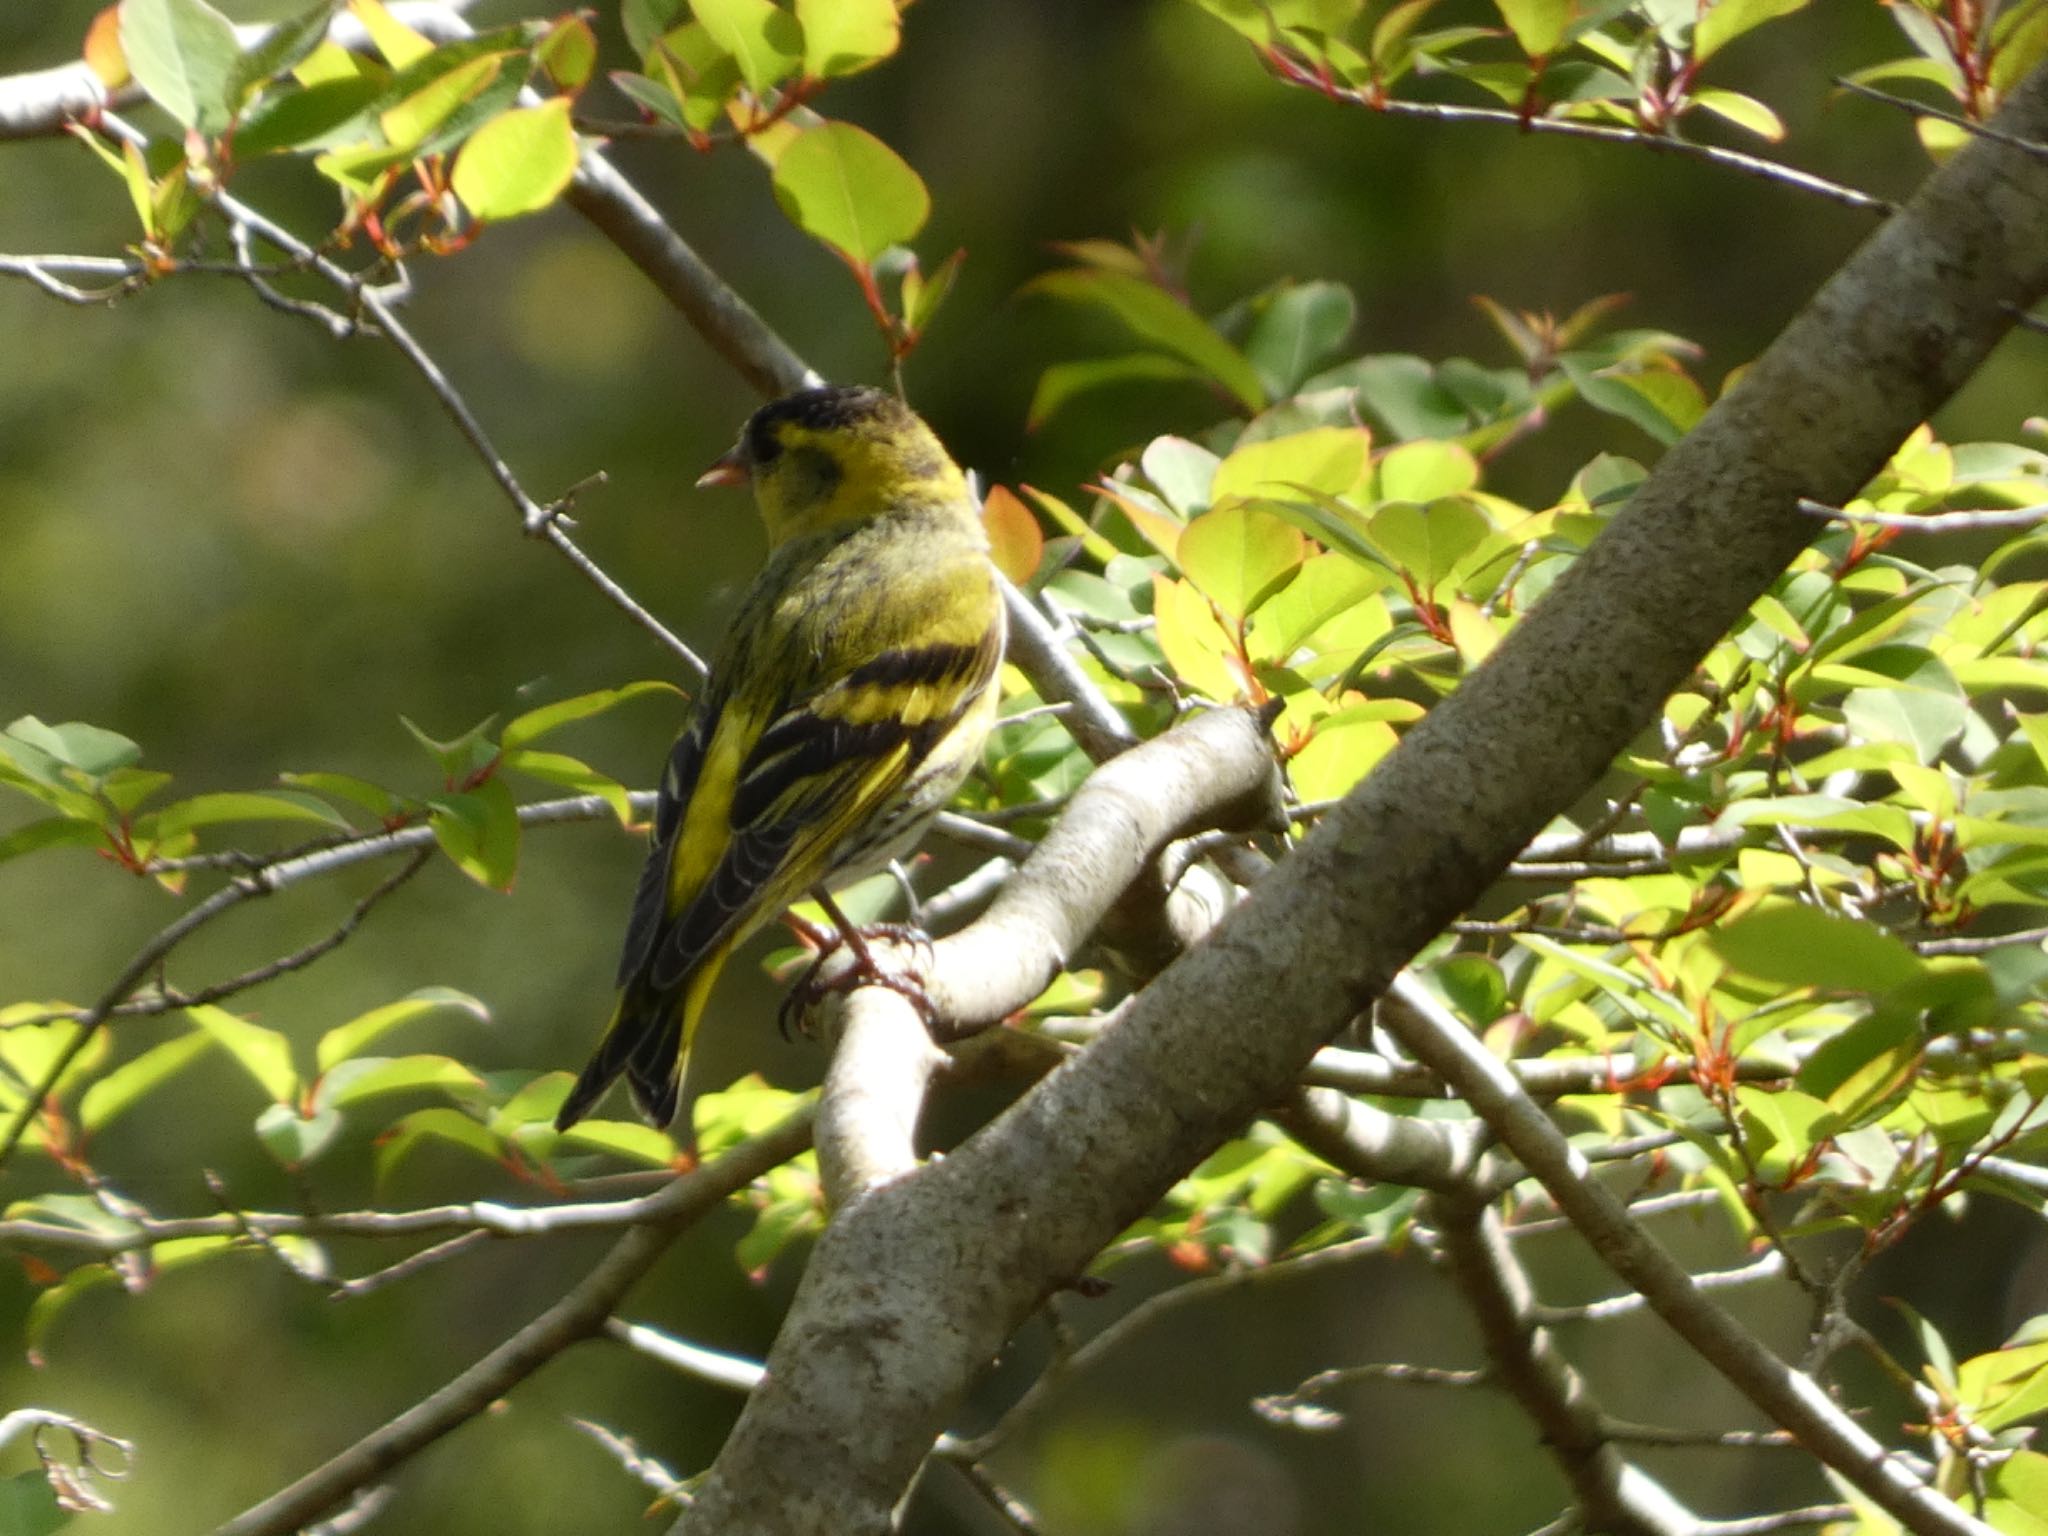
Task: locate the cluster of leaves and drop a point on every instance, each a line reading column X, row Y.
column 1629, row 63
column 95, row 793
column 1848, row 791
column 429, row 141
column 750, row 67
column 97, row 796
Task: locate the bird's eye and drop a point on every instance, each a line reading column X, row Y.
column 763, row 446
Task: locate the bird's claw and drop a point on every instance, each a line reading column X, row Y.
column 864, row 970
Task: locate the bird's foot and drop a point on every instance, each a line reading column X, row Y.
column 864, row 969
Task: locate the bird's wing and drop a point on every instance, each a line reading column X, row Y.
column 678, row 784
column 781, row 804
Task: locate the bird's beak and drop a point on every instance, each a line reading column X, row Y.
column 727, row 469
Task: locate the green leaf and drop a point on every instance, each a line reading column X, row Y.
column 345, row 1040
column 1745, row 112
column 652, row 97
column 408, row 123
column 843, row 186
column 466, row 756
column 536, row 1103
column 365, row 1077
column 1538, row 25
column 1238, row 556
column 1664, row 403
column 1296, row 331
column 164, row 1257
column 1427, row 542
column 211, row 810
column 1063, row 381
column 264, row 1054
column 1329, row 460
column 1727, row 20
column 438, row 1124
column 569, row 52
column 119, row 1091
column 400, row 44
column 517, row 163
column 374, row 798
column 697, row 73
column 479, row 830
column 624, row 1139
column 1862, row 1070
column 765, row 40
column 843, row 37
column 646, row 20
column 185, row 55
column 92, row 751
column 1158, row 317
column 281, row 50
column 570, row 773
column 1790, row 1123
column 303, row 118
column 295, row 1139
column 29, row 1507
column 1796, row 945
column 48, row 832
column 524, row 730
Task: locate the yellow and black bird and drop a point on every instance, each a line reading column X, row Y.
column 853, row 692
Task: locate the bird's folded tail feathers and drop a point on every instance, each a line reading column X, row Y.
column 648, row 1040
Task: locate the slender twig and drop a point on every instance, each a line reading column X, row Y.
column 1035, row 647
column 1699, row 1439
column 1446, row 112
column 735, row 1373
column 1932, row 522
column 1032, row 1405
column 578, row 1315
column 1784, row 1520
column 1789, row 1397
column 1303, row 1407
column 1767, row 1267
column 284, row 965
column 1954, row 119
column 637, row 1464
column 264, row 880
column 410, row 1265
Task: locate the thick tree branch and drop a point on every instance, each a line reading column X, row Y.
column 868, row 1368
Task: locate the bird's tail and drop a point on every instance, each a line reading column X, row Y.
column 648, row 1040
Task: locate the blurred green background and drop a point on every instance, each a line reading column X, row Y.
column 252, row 549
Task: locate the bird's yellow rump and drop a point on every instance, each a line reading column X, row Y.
column 853, row 692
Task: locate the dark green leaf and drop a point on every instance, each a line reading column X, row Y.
column 479, row 830
column 1158, row 317
column 28, row 1506
column 1296, row 331
column 282, row 49
column 294, row 1139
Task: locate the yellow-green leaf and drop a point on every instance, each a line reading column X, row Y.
column 842, row 185
column 346, row 1040
column 399, row 44
column 1196, row 647
column 842, row 37
column 264, row 1054
column 765, row 40
column 517, row 163
column 1238, row 555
